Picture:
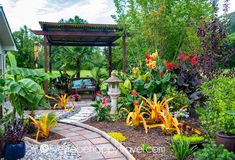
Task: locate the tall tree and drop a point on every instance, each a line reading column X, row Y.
column 74, row 58
column 24, row 40
column 164, row 25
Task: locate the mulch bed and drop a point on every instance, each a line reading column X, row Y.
column 52, row 136
column 136, row 137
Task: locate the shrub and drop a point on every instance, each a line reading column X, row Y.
column 180, row 99
column 220, row 99
column 102, row 109
column 212, row 152
column 15, row 131
column 118, row 136
column 192, row 139
column 2, row 130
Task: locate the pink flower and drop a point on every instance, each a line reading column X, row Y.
column 104, row 101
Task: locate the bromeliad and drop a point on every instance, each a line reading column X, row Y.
column 136, row 117
column 44, row 124
column 62, row 101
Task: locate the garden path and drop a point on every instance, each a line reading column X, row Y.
column 90, row 145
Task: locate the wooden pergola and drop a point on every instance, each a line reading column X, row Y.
column 67, row 34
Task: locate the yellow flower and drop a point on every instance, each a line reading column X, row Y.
column 154, row 55
column 136, row 70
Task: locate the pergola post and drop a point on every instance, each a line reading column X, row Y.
column 124, row 53
column 110, row 60
column 50, row 59
column 45, row 64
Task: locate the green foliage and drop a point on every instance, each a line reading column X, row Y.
column 181, row 148
column 192, row 139
column 2, row 131
column 146, row 147
column 118, row 136
column 180, row 99
column 220, row 94
column 24, row 40
column 102, row 113
column 77, row 58
column 231, row 17
column 212, row 152
column 168, row 26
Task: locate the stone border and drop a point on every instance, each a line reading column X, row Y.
column 113, row 141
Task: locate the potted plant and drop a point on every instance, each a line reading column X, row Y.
column 15, row 146
column 2, row 130
column 76, row 97
column 226, row 136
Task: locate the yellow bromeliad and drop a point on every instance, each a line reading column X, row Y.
column 159, row 112
column 44, row 124
column 62, row 101
column 136, row 117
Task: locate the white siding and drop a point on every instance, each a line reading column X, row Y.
column 2, row 60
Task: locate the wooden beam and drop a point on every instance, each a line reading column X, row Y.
column 45, row 65
column 124, row 53
column 75, row 33
column 110, row 60
column 83, row 44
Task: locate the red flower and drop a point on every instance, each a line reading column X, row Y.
column 182, row 56
column 134, row 92
column 193, row 60
column 98, row 92
column 148, row 57
column 136, row 102
column 170, row 66
column 161, row 74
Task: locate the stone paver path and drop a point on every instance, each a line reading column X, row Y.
column 90, row 145
column 84, row 114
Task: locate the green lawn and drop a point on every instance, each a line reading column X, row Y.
column 55, row 73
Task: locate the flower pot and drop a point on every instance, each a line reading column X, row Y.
column 14, row 151
column 227, row 140
column 2, row 144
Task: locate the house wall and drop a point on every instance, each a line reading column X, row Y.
column 2, row 61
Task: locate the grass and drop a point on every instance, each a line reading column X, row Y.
column 56, row 73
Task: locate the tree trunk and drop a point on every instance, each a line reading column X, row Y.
column 78, row 68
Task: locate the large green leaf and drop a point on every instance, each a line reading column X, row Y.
column 12, row 60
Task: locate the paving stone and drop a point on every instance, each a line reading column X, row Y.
column 91, row 156
column 71, row 134
column 63, row 131
column 82, row 143
column 67, row 126
column 77, row 138
column 120, row 158
column 106, row 147
column 83, row 132
column 99, row 141
column 112, row 154
column 91, row 135
column 76, row 129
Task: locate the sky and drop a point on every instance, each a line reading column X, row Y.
column 30, row 12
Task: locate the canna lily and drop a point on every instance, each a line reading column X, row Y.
column 136, row 70
column 154, row 55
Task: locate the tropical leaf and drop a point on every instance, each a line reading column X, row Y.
column 12, row 60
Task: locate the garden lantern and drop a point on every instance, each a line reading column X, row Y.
column 113, row 90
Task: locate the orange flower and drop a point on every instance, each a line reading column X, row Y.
column 136, row 103
column 134, row 92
